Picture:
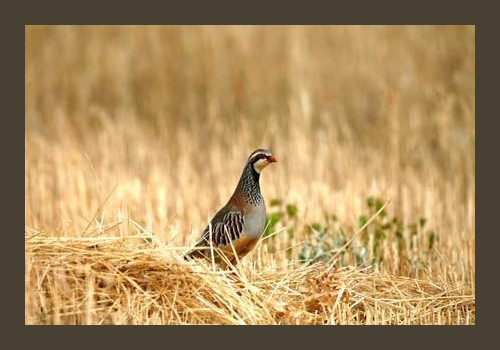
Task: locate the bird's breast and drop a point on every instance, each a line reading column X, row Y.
column 255, row 221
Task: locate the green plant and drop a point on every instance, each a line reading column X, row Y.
column 408, row 244
column 280, row 214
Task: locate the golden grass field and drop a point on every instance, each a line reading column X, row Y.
column 136, row 136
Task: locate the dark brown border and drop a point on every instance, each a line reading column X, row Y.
column 249, row 12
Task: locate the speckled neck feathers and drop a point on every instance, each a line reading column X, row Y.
column 248, row 186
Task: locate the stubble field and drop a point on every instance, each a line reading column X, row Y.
column 135, row 136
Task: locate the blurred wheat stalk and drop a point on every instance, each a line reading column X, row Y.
column 144, row 130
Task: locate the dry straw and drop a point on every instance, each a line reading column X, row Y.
column 126, row 281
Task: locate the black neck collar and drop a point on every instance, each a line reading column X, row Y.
column 255, row 174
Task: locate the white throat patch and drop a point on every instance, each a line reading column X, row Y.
column 260, row 164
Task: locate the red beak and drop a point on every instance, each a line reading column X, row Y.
column 272, row 159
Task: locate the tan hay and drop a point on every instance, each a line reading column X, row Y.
column 109, row 281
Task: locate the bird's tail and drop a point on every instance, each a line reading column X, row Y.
column 194, row 254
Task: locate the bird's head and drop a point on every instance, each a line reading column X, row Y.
column 261, row 158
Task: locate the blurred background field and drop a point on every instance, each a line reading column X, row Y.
column 144, row 130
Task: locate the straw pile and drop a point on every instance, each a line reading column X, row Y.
column 117, row 280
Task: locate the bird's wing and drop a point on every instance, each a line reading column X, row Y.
column 225, row 227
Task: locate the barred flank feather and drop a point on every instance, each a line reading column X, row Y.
column 229, row 228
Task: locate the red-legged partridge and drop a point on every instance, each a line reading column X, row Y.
column 238, row 226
